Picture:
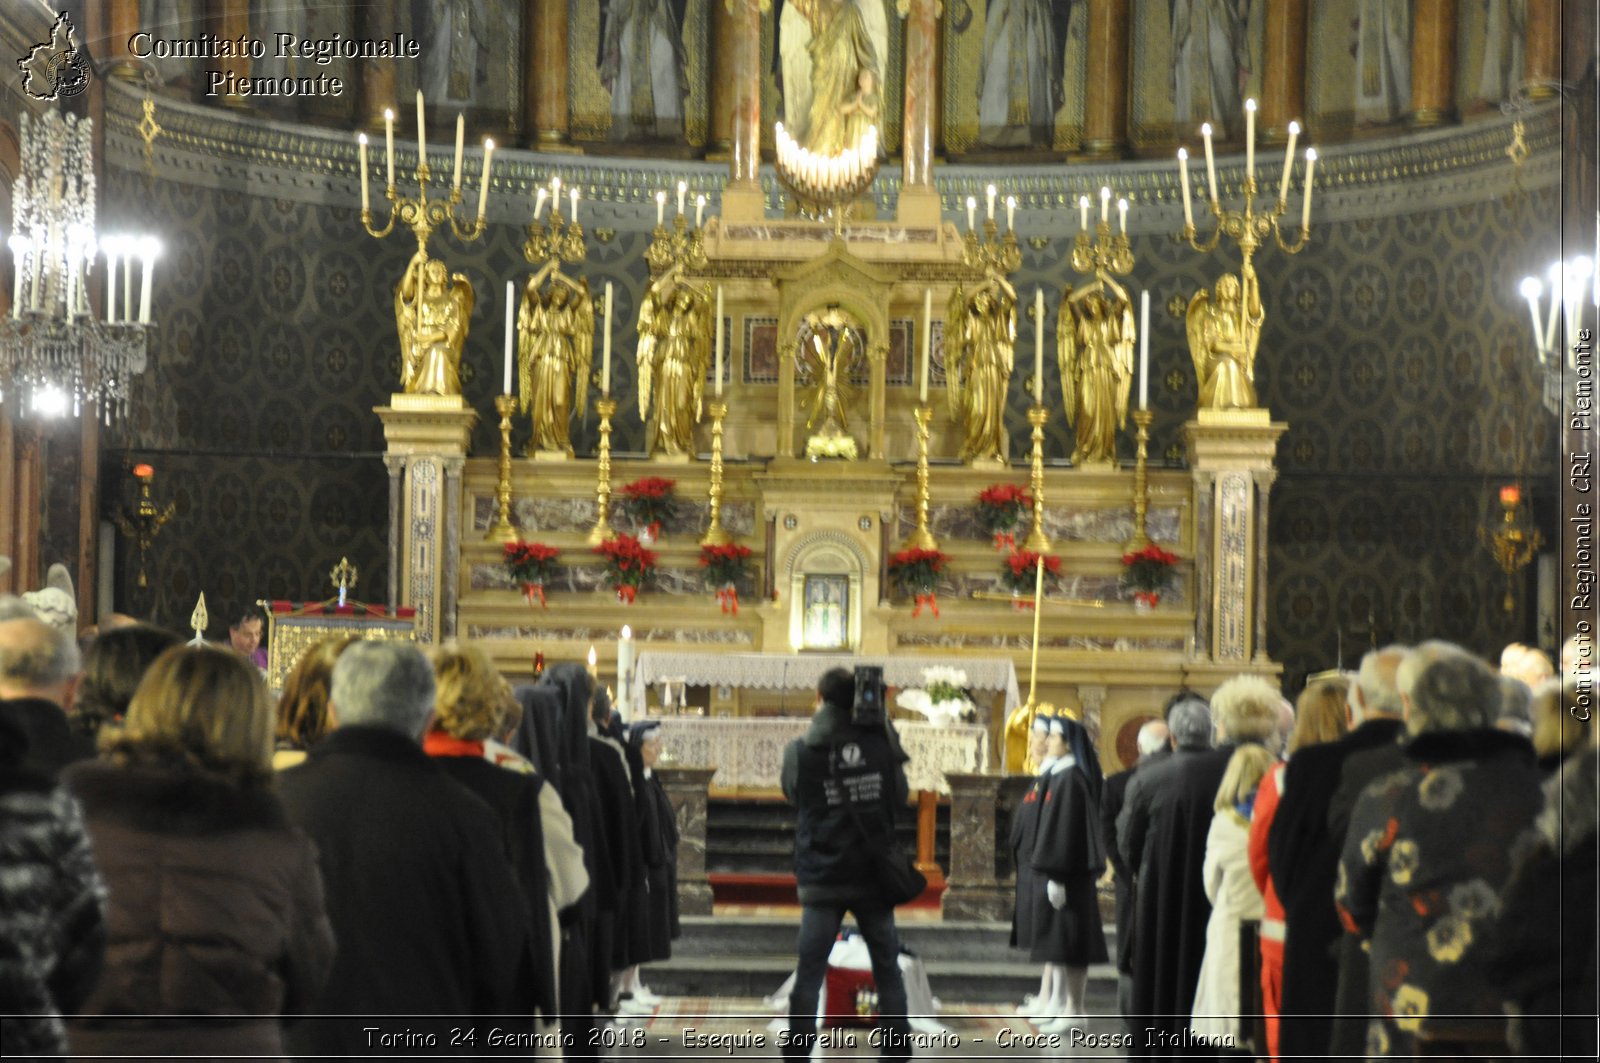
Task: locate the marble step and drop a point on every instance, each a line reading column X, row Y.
column 934, row 940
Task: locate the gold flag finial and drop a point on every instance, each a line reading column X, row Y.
column 199, row 620
column 343, row 576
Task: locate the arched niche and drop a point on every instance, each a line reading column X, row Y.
column 826, row 575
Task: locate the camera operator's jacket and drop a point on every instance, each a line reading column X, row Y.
column 832, row 860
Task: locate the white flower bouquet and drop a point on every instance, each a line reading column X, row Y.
column 943, row 698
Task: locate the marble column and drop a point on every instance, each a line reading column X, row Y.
column 1283, row 74
column 231, row 19
column 921, row 89
column 1264, row 480
column 376, row 20
column 1542, row 48
column 1433, row 63
column 742, row 199
column 687, row 790
column 397, row 468
column 720, row 141
column 971, row 890
column 1105, row 133
column 544, row 41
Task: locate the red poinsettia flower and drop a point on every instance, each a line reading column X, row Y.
column 1019, row 572
column 1001, row 506
column 628, row 563
column 724, row 564
column 917, row 570
column 1148, row 569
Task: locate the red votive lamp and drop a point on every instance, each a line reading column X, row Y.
column 144, row 472
column 1510, row 495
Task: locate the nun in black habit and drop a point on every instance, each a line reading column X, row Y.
column 620, row 818
column 658, row 830
column 1030, row 889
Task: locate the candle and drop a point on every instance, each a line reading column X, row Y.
column 147, row 253
column 1011, row 211
column 538, row 202
column 511, row 297
column 661, row 208
column 927, row 341
column 972, row 213
column 461, row 132
column 605, row 349
column 1288, row 164
column 1105, row 204
column 719, row 341
column 20, row 250
column 573, row 195
column 1083, row 212
column 1558, row 287
column 1305, row 212
column 361, row 141
column 683, row 186
column 593, row 658
column 1122, row 215
column 422, row 129
column 127, row 279
column 1038, row 346
column 1144, row 350
column 1183, row 180
column 1510, row 495
column 18, row 258
column 625, row 671
column 1531, row 292
column 483, row 189
column 1249, row 139
column 388, row 139
column 989, row 194
column 555, row 197
column 699, row 210
column 1211, row 163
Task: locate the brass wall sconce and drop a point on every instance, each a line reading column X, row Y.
column 1513, row 543
column 144, row 522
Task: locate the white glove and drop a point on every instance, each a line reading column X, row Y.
column 1057, row 892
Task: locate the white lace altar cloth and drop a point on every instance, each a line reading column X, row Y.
column 748, row 754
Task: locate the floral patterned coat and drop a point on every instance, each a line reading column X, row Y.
column 1430, row 850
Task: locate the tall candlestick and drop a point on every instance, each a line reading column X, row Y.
column 1211, row 163
column 699, row 210
column 719, row 342
column 1183, row 181
column 1305, row 212
column 572, row 194
column 1105, row 203
column 1011, row 211
column 683, row 187
column 1122, row 215
column 483, row 189
column 1288, row 163
column 927, row 341
column 1144, row 350
column 1083, row 212
column 538, row 202
column 461, row 132
column 1038, row 346
column 605, row 349
column 972, row 213
column 422, row 133
column 989, row 194
column 511, row 296
column 361, row 141
column 1249, row 139
column 661, row 208
column 388, row 140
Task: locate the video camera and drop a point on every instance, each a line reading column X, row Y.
column 867, row 709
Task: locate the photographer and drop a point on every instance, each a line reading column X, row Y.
column 845, row 777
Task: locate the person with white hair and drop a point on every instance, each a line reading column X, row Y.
column 39, row 671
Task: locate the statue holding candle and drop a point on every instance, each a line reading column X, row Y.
column 1224, row 328
column 980, row 343
column 431, row 309
column 1094, row 351
column 673, row 357
column 555, row 352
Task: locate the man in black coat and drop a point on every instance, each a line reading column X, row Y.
column 39, row 668
column 1154, row 744
column 1303, row 854
column 846, row 780
column 423, row 901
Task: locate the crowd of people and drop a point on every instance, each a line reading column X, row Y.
column 402, row 852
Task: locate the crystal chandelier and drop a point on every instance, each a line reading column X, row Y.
column 1569, row 283
column 55, row 354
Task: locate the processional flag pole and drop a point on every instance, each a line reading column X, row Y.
column 1033, row 664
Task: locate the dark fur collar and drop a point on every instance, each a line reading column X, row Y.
column 173, row 800
column 1475, row 743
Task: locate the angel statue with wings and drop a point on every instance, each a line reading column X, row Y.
column 828, row 365
column 431, row 310
column 555, row 351
column 1224, row 328
column 1094, row 350
column 674, row 354
column 980, row 341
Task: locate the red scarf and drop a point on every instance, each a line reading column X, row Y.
column 439, row 744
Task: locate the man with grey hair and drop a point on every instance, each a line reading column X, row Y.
column 1154, row 745
column 39, row 668
column 419, row 890
column 1303, row 852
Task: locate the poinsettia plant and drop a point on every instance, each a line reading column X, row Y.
column 1000, row 507
column 647, row 501
column 1019, row 571
column 1149, row 572
column 531, row 565
column 628, row 563
column 724, row 565
column 916, row 571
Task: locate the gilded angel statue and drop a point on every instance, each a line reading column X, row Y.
column 673, row 356
column 431, row 310
column 1094, row 351
column 555, row 352
column 829, row 371
column 980, row 341
column 1224, row 328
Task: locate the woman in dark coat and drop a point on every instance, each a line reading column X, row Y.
column 658, row 837
column 217, row 925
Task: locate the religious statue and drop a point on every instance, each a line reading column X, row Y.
column 828, row 366
column 1020, row 86
column 674, row 353
column 1224, row 330
column 431, row 308
column 1094, row 350
column 980, row 339
column 555, row 350
column 644, row 67
column 845, row 72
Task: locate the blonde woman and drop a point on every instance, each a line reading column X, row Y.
column 303, row 706
column 216, row 901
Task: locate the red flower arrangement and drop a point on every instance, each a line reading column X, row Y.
column 724, row 565
column 1149, row 572
column 647, row 501
column 1000, row 507
column 917, row 571
column 627, row 565
column 1019, row 573
column 532, row 565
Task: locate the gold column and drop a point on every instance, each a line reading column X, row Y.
column 378, row 20
column 231, row 19
column 1542, row 51
column 544, row 42
column 1105, row 133
column 1433, row 63
column 1283, row 74
column 121, row 22
column 742, row 199
column 722, row 76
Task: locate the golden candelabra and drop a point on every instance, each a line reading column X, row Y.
column 991, row 253
column 1513, row 543
column 421, row 214
column 602, row 524
column 716, row 534
column 1037, row 540
column 502, row 529
column 146, row 520
column 921, row 538
column 1141, row 483
column 1105, row 253
column 680, row 245
column 826, row 186
column 555, row 238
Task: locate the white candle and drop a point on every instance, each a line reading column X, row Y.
column 1011, row 211
column 1038, row 346
column 1083, row 212
column 625, row 672
column 72, row 278
column 1249, row 139
column 127, row 280
column 1183, row 181
column 719, row 341
column 1530, row 292
column 927, row 341
column 699, row 210
column 972, row 213
column 1211, row 163
column 605, row 348
column 361, row 141
column 388, row 140
column 511, row 296
column 483, row 189
column 19, row 257
column 573, row 195
column 1305, row 212
column 1144, row 350
column 1105, row 204
column 1122, row 215
column 661, row 208
column 538, row 202
column 111, row 283
column 989, row 194
column 461, row 132
column 147, row 255
column 1288, row 164
column 683, row 187
column 422, row 133
column 1558, row 287
column 555, row 197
